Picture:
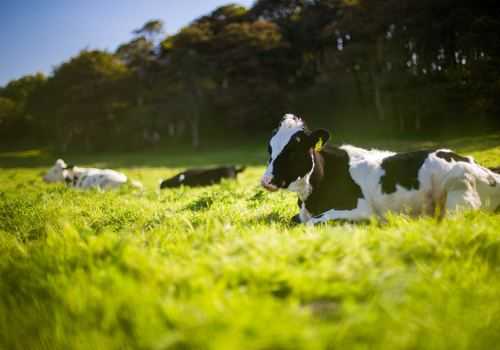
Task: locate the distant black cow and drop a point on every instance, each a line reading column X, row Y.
column 202, row 176
column 351, row 183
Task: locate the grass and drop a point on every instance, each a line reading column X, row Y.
column 221, row 267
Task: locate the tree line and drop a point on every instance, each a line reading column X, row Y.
column 397, row 66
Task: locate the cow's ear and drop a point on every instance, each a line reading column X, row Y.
column 319, row 138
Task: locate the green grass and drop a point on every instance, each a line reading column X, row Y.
column 222, row 268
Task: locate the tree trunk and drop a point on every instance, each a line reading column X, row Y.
column 418, row 119
column 195, row 129
column 377, row 95
column 418, row 122
column 397, row 113
column 195, row 97
column 376, row 75
column 359, row 87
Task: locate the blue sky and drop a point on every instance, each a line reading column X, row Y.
column 36, row 35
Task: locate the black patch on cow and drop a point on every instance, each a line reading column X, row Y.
column 493, row 181
column 79, row 179
column 296, row 219
column 202, row 176
column 333, row 186
column 75, row 180
column 293, row 162
column 299, row 203
column 449, row 156
column 402, row 169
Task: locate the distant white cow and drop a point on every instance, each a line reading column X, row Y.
column 85, row 178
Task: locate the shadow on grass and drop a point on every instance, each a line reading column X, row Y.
column 460, row 144
column 246, row 154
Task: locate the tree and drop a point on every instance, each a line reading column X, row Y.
column 21, row 89
column 189, row 73
column 86, row 96
column 242, row 65
column 7, row 110
column 151, row 29
column 136, row 53
column 17, row 118
column 407, row 50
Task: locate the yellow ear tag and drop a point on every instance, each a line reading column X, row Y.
column 319, row 145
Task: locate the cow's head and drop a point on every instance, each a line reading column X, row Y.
column 291, row 153
column 173, row 182
column 57, row 172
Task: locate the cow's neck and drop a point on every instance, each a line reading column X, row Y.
column 303, row 186
column 318, row 169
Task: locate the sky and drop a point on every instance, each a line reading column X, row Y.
column 37, row 35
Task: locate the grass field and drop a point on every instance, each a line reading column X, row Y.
column 221, row 267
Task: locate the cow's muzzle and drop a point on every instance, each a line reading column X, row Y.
column 266, row 183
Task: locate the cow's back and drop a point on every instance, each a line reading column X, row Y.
column 412, row 182
column 392, row 181
column 102, row 178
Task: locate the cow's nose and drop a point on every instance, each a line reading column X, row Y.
column 266, row 183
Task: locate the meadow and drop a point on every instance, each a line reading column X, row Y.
column 222, row 267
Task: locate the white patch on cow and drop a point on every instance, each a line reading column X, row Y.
column 99, row 178
column 290, row 125
column 304, row 214
column 366, row 171
column 85, row 178
column 374, row 155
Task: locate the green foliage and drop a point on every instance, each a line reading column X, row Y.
column 7, row 109
column 222, row 268
column 87, row 67
column 21, row 89
column 84, row 99
column 17, row 117
column 394, row 66
column 136, row 52
column 150, row 29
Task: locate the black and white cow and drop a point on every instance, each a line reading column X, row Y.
column 85, row 178
column 351, row 183
column 202, row 176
